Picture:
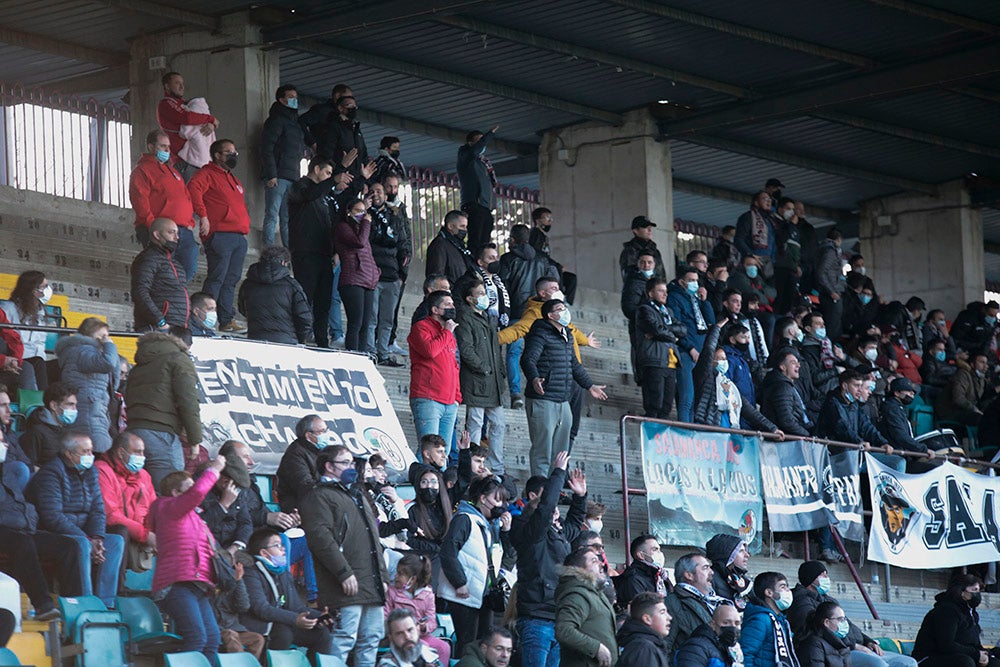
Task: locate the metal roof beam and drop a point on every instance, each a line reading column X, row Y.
column 163, row 11
column 340, row 22
column 62, row 48
column 461, row 80
column 106, row 79
column 547, row 43
column 746, row 32
column 811, row 163
column 916, row 9
column 943, row 70
column 908, row 133
column 837, row 215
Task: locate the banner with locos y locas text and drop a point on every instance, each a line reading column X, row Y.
column 946, row 517
column 256, row 392
column 700, row 484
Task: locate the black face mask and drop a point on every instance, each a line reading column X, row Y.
column 493, row 267
column 171, row 246
column 428, row 496
column 975, row 600
column 545, row 228
column 449, row 314
column 231, row 161
column 394, row 155
column 498, row 511
column 906, row 400
column 351, row 114
column 461, row 234
column 729, row 636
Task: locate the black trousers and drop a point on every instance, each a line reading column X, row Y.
column 833, row 312
column 314, row 272
column 23, row 558
column 576, row 408
column 658, row 391
column 470, row 624
column 395, row 315
column 317, row 640
column 480, row 230
column 787, row 284
column 358, row 303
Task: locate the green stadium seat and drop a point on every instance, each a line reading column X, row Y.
column 266, row 485
column 289, row 658
column 323, row 660
column 889, row 645
column 906, row 646
column 146, row 625
column 237, row 660
column 72, row 609
column 187, row 659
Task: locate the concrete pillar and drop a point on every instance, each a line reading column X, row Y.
column 596, row 178
column 931, row 247
column 230, row 70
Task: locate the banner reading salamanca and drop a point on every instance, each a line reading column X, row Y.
column 256, row 392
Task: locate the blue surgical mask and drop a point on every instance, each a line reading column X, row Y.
column 871, row 386
column 866, row 299
column 162, row 156
column 211, row 319
column 843, row 627
column 565, row 318
column 135, row 462
column 293, row 103
column 850, row 397
column 279, row 560
column 722, row 365
column 820, row 332
column 692, row 287
column 482, row 302
column 86, row 462
column 751, row 271
column 940, row 355
column 823, row 585
column 646, row 273
column 68, row 416
column 323, row 440
column 991, row 320
column 799, row 336
column 349, row 476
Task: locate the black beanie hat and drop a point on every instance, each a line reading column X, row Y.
column 809, row 570
column 720, row 548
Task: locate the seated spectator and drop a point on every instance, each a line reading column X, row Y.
column 276, row 610
column 907, row 363
column 962, row 399
column 42, row 441
column 780, row 400
column 406, row 648
column 88, row 360
column 230, row 602
column 68, row 497
column 729, row 557
column 297, row 472
column 493, row 650
column 411, row 590
column 204, row 315
column 935, row 371
column 748, row 279
column 435, row 390
column 26, row 305
column 692, row 601
column 225, row 510
column 716, row 644
column 642, row 636
column 11, row 358
column 23, row 544
column 718, row 401
column 273, row 302
column 644, row 573
column 585, row 620
column 184, row 574
column 159, row 292
column 128, row 492
column 823, row 642
column 950, row 634
column 654, row 349
column 766, row 638
column 936, row 329
column 688, row 301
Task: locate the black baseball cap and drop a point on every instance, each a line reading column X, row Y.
column 774, row 182
column 641, row 221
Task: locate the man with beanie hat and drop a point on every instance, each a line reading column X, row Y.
column 812, row 589
column 729, row 557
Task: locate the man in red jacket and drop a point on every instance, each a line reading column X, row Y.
column 157, row 191
column 171, row 113
column 434, row 385
column 218, row 201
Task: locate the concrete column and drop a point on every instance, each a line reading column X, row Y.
column 230, row 70
column 931, row 247
column 596, row 178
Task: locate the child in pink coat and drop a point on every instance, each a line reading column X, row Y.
column 411, row 589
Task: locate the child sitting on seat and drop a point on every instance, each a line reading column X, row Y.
column 411, row 590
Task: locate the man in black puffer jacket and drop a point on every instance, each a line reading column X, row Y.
column 715, row 643
column 159, row 293
column 779, row 398
column 274, row 304
column 641, row 636
column 654, row 348
column 520, row 269
column 282, row 145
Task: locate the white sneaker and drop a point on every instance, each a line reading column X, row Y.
column 396, row 349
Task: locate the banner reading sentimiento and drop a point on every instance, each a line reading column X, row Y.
column 699, row 484
column 946, row 517
column 255, row 393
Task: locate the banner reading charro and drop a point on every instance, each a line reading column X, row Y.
column 699, row 484
column 255, row 392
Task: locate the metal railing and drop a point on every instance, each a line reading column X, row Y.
column 694, row 236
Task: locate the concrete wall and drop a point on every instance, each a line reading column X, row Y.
column 609, row 176
column 932, row 247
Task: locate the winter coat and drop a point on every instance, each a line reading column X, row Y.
column 274, row 304
column 68, row 500
column 633, row 293
column 630, row 256
column 421, row 603
column 541, row 548
column 656, row 336
column 333, row 136
column 228, row 526
column 342, row 533
column 780, row 403
column 183, row 541
column 744, row 240
column 127, row 496
column 936, row 373
column 584, row 619
column 159, row 290
column 789, row 245
column 702, row 650
column 42, row 441
column 473, row 656
column 727, row 251
column 804, row 602
column 473, row 176
column 532, row 313
column 970, row 329
column 641, row 647
column 810, row 353
column 687, row 612
column 829, row 275
column 297, row 474
column 548, row 354
column 520, row 269
column 706, row 407
column 740, row 371
column 950, row 629
column 386, row 241
column 434, row 371
column 739, row 280
column 16, row 512
column 92, row 367
column 896, row 428
column 156, row 190
column 357, row 266
column 823, row 649
column 857, row 317
column 312, row 208
column 964, row 393
column 682, row 306
column 757, row 635
column 273, row 598
column 282, row 144
column 483, row 371
column 162, row 390
column 845, row 422
column 638, row 577
column 466, row 553
column 445, row 257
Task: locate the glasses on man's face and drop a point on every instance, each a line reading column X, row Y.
column 344, row 462
column 838, row 618
column 596, row 545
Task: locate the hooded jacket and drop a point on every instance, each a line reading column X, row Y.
column 757, row 635
column 465, row 556
column 584, row 619
column 183, row 541
column 520, row 269
column 274, row 304
column 227, row 525
column 549, row 354
column 282, row 144
column 725, row 581
column 127, row 496
column 963, row 393
column 434, row 371
column 273, row 598
column 641, row 647
column 92, row 368
column 638, row 577
column 159, row 290
column 482, row 373
column 781, row 404
column 950, row 629
column 42, row 441
column 162, row 390
column 804, row 602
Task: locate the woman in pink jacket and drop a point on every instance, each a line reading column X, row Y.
column 358, row 272
column 184, row 579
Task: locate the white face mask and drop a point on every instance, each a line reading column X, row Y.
column 656, row 559
column 46, row 294
column 558, row 295
column 597, row 525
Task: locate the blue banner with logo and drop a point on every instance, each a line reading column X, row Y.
column 700, row 484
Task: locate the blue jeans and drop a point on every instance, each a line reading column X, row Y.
column 433, row 417
column 862, row 659
column 380, row 325
column 164, row 453
column 336, row 317
column 194, row 620
column 539, row 647
column 496, row 426
column 226, row 252
column 107, row 572
column 514, row 351
column 276, row 210
column 685, row 389
column 359, row 629
column 297, row 550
